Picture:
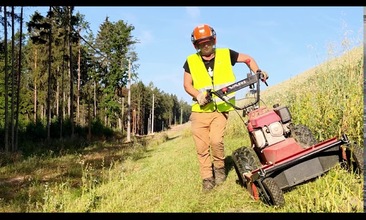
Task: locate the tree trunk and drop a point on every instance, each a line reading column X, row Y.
column 89, row 120
column 62, row 93
column 57, row 93
column 123, row 115
column 49, row 80
column 6, row 136
column 35, row 87
column 12, row 79
column 95, row 99
column 18, row 78
column 78, row 92
column 71, row 76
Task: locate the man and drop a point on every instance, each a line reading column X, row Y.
column 211, row 68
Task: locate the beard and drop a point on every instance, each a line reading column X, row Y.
column 207, row 51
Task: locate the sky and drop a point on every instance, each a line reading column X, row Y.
column 284, row 41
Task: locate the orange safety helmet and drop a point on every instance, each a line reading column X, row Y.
column 202, row 33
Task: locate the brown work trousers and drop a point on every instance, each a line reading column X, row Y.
column 208, row 130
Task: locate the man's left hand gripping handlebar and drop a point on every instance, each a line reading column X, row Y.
column 263, row 76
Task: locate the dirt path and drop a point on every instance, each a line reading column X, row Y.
column 180, row 127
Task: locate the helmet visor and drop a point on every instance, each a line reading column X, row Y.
column 204, row 40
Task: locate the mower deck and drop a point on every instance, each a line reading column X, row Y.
column 294, row 165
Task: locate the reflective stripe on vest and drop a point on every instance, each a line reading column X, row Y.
column 223, row 75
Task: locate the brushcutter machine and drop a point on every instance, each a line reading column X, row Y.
column 282, row 154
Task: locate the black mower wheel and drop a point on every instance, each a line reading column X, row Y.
column 354, row 160
column 245, row 160
column 274, row 193
column 303, row 135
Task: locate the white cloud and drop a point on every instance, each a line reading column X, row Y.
column 193, row 12
column 145, row 37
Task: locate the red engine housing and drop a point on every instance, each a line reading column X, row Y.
column 261, row 117
column 269, row 138
column 281, row 151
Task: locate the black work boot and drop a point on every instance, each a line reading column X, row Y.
column 220, row 175
column 208, row 184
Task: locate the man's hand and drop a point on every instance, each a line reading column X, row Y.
column 263, row 75
column 201, row 98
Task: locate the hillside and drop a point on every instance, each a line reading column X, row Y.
column 301, row 78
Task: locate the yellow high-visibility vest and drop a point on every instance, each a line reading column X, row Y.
column 223, row 75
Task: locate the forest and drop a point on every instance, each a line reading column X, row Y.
column 59, row 81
